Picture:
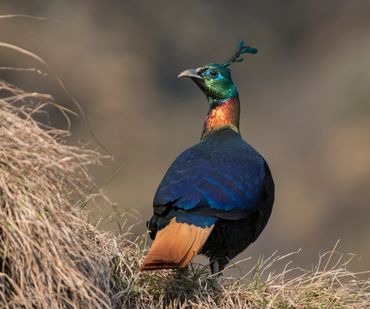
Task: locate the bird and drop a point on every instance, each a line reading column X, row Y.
column 217, row 196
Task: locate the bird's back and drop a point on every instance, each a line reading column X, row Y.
column 221, row 182
column 223, row 173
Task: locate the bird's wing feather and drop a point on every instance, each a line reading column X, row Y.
column 215, row 179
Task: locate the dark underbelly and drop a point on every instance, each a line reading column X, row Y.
column 230, row 237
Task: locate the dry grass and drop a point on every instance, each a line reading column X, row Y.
column 43, row 255
column 320, row 287
column 51, row 258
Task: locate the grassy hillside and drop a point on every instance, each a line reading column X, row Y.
column 50, row 257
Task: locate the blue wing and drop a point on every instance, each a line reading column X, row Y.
column 222, row 177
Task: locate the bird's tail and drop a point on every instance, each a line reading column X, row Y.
column 175, row 245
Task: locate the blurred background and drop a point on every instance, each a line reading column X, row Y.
column 305, row 101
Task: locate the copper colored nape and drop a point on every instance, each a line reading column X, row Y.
column 223, row 115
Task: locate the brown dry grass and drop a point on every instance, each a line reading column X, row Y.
column 51, row 258
column 44, row 261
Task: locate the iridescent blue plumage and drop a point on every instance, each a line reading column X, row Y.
column 217, row 196
column 222, row 181
column 223, row 173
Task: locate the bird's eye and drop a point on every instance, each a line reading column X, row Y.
column 213, row 73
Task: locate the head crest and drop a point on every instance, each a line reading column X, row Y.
column 242, row 49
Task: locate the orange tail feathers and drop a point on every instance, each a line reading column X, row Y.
column 175, row 245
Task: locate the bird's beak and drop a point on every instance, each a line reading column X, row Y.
column 192, row 73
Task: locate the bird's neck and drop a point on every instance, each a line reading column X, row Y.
column 222, row 114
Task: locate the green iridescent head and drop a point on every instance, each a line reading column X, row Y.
column 215, row 79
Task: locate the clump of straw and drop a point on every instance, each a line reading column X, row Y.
column 45, row 258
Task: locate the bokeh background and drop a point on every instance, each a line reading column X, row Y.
column 305, row 101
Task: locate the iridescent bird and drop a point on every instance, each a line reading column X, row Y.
column 217, row 196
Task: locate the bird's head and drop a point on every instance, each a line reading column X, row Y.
column 215, row 79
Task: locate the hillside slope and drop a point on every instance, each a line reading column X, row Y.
column 50, row 257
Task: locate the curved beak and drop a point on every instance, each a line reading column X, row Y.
column 192, row 73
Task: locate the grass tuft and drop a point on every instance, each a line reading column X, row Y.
column 43, row 248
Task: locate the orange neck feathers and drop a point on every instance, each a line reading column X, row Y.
column 221, row 115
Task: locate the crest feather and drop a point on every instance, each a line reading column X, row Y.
column 241, row 49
